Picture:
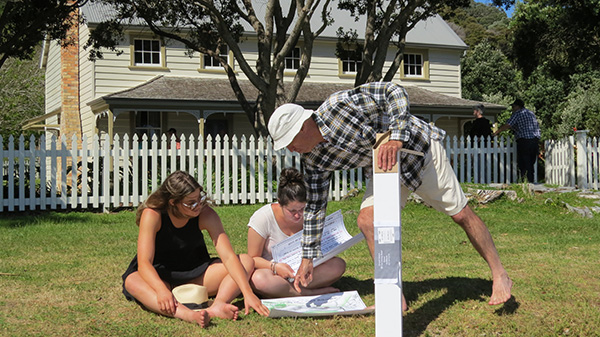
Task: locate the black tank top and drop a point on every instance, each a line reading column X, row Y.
column 180, row 249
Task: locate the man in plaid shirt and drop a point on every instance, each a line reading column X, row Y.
column 527, row 132
column 340, row 135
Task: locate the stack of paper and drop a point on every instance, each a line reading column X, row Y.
column 335, row 239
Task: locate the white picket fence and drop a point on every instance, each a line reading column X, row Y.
column 122, row 173
column 573, row 161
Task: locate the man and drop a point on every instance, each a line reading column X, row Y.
column 340, row 135
column 527, row 132
column 481, row 126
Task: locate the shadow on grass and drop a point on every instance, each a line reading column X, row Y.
column 18, row 220
column 363, row 287
column 33, row 218
column 456, row 289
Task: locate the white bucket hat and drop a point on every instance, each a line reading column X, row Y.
column 192, row 296
column 286, row 122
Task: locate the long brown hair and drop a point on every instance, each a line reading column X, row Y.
column 292, row 186
column 177, row 185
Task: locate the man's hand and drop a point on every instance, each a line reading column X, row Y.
column 388, row 153
column 304, row 275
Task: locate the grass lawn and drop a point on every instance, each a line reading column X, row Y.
column 60, row 275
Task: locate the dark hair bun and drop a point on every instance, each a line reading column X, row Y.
column 292, row 186
column 290, row 175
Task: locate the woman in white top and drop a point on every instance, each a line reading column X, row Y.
column 274, row 223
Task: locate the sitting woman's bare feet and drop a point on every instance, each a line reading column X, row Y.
column 201, row 318
column 223, row 310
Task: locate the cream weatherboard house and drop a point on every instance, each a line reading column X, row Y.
column 153, row 85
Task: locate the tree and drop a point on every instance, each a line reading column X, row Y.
column 25, row 23
column 386, row 24
column 557, row 47
column 581, row 110
column 486, row 71
column 207, row 26
column 560, row 35
column 21, row 95
column 480, row 22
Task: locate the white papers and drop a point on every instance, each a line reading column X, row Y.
column 335, row 239
column 342, row 303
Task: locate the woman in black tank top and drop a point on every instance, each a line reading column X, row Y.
column 171, row 251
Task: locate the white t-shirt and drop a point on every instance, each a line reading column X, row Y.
column 264, row 223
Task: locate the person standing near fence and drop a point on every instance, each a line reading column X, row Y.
column 340, row 135
column 525, row 126
column 171, row 252
column 481, row 126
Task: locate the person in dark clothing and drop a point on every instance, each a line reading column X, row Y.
column 481, row 126
column 527, row 132
column 171, row 252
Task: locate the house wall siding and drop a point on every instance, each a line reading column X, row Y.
column 86, row 86
column 114, row 74
column 52, row 80
column 444, row 73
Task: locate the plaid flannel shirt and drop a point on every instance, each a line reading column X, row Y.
column 349, row 121
column 524, row 124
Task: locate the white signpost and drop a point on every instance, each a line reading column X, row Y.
column 388, row 248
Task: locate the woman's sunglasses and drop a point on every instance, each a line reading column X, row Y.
column 194, row 205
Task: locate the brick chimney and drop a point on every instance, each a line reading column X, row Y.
column 70, row 119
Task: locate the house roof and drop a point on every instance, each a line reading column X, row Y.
column 192, row 91
column 433, row 31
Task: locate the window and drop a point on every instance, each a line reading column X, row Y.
column 350, row 61
column 147, row 52
column 212, row 62
column 413, row 65
column 147, row 123
column 350, row 66
column 292, row 60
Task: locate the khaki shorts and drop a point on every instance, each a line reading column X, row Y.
column 439, row 189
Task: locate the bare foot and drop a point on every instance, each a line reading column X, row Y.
column 223, row 310
column 318, row 291
column 201, row 317
column 501, row 290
